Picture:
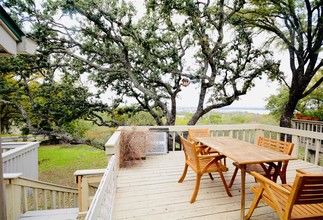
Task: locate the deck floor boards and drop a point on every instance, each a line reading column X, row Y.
column 149, row 190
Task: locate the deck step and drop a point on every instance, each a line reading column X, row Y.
column 55, row 214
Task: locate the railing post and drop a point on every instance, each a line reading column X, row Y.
column 295, row 140
column 113, row 141
column 112, row 146
column 13, row 198
column 317, row 151
column 306, row 140
column 2, row 186
column 83, row 180
column 258, row 133
column 85, row 195
column 79, row 186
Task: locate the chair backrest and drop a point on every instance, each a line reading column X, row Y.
column 281, row 146
column 190, row 153
column 198, row 132
column 307, row 189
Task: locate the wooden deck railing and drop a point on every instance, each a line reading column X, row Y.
column 87, row 182
column 245, row 132
column 27, row 195
column 308, row 125
column 103, row 201
column 310, row 145
column 21, row 157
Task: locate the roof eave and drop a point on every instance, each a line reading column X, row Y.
column 11, row 24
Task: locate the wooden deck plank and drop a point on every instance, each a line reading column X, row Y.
column 149, row 190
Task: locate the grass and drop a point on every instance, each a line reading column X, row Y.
column 57, row 163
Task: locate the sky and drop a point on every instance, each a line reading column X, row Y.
column 255, row 98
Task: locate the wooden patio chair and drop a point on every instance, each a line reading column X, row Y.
column 201, row 164
column 302, row 200
column 202, row 132
column 269, row 170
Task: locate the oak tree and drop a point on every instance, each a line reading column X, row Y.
column 297, row 25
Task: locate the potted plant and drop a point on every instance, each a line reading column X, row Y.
column 311, row 115
column 298, row 115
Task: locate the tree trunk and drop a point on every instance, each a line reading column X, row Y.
column 287, row 114
column 198, row 114
column 172, row 115
column 286, row 117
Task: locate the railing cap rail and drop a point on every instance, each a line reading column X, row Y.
column 293, row 131
column 308, row 121
column 90, row 172
column 22, row 181
column 11, row 175
column 178, row 128
column 113, row 139
column 22, row 147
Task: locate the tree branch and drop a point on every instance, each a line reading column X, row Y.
column 317, row 84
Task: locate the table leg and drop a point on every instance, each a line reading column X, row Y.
column 243, row 190
column 277, row 171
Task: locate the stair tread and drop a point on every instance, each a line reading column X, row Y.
column 54, row 214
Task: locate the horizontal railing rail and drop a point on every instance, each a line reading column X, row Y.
column 24, row 195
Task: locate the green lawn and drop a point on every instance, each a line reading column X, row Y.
column 58, row 163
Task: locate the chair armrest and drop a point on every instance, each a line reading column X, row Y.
column 218, row 157
column 312, row 173
column 301, row 171
column 200, row 146
column 261, row 178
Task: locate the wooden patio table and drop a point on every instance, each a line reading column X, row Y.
column 244, row 153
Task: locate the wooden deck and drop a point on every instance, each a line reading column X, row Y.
column 149, row 190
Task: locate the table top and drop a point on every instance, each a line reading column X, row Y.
column 243, row 152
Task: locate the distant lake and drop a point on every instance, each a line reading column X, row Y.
column 253, row 110
column 261, row 111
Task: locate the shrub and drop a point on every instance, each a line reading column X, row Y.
column 132, row 147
